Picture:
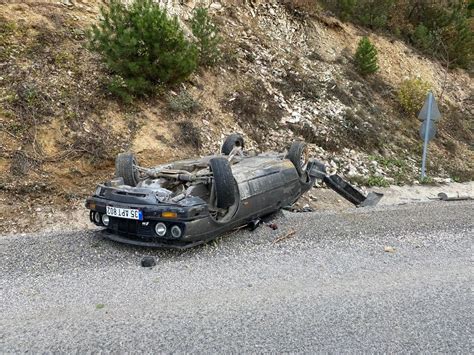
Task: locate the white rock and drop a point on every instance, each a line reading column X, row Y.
column 215, row 6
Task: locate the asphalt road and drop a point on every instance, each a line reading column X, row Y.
column 331, row 287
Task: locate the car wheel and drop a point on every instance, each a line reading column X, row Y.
column 298, row 155
column 125, row 167
column 224, row 182
column 233, row 140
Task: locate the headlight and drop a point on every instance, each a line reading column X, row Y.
column 160, row 229
column 105, row 220
column 176, row 232
column 97, row 217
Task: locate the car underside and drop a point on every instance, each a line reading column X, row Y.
column 186, row 203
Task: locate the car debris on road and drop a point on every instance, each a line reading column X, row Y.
column 445, row 197
column 186, row 203
column 288, row 235
column 148, row 261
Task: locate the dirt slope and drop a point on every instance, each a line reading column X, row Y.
column 284, row 75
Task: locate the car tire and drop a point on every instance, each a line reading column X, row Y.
column 233, row 140
column 298, row 155
column 224, row 182
column 125, row 167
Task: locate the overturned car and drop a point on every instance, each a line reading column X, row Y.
column 186, row 203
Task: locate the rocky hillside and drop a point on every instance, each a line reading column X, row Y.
column 284, row 75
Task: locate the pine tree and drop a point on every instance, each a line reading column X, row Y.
column 142, row 46
column 366, row 57
column 207, row 36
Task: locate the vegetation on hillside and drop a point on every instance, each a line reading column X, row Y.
column 143, row 46
column 207, row 36
column 412, row 94
column 366, row 57
column 146, row 48
column 440, row 28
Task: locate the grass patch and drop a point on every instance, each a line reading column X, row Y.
column 63, row 59
column 397, row 168
column 371, row 181
column 10, row 39
column 459, row 174
column 427, row 181
column 16, row 128
column 182, row 102
column 389, row 162
column 378, row 181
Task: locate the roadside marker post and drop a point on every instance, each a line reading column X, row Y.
column 429, row 114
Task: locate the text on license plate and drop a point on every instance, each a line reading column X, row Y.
column 128, row 213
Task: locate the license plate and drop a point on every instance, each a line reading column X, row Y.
column 127, row 213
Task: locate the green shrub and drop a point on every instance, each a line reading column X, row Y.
column 374, row 14
column 412, row 94
column 445, row 32
column 366, row 57
column 294, row 6
column 378, row 181
column 183, row 102
column 142, row 46
column 370, row 181
column 347, row 8
column 423, row 38
column 207, row 36
column 459, row 40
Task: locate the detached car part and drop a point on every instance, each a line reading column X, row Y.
column 186, row 203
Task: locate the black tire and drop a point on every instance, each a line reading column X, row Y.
column 298, row 155
column 224, row 182
column 125, row 168
column 233, row 140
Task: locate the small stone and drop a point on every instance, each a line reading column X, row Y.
column 215, row 6
column 389, row 249
column 148, row 261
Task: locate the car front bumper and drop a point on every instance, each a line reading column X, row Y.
column 195, row 223
column 150, row 243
